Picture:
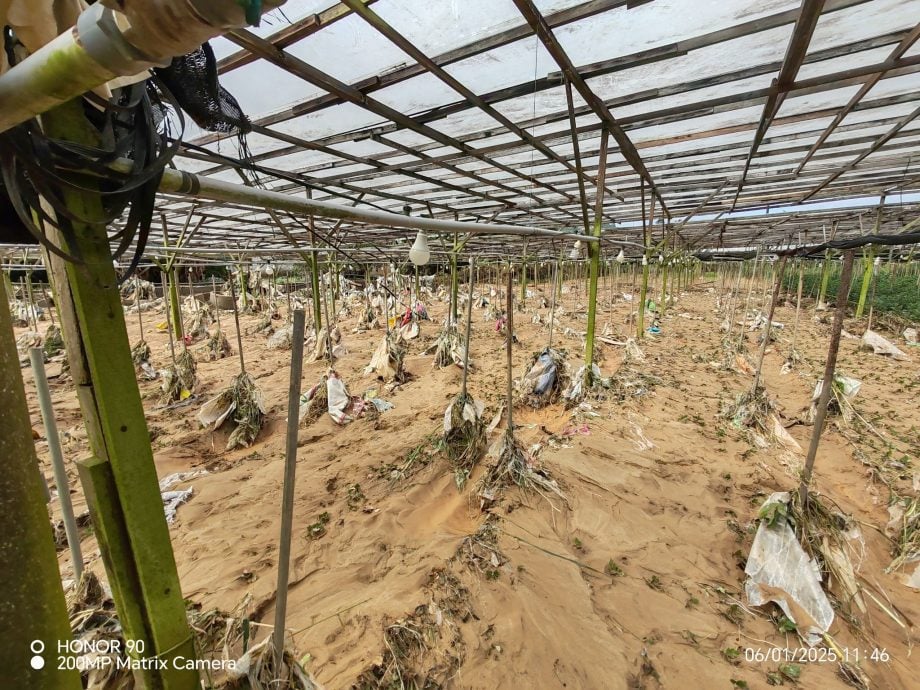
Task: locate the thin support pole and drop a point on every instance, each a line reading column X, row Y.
column 552, row 308
column 216, row 307
column 798, row 306
column 768, row 327
column 827, row 382
column 509, row 306
column 137, row 303
column 287, row 494
column 172, row 347
column 36, row 357
column 594, row 253
column 239, row 333
column 466, row 346
column 328, row 328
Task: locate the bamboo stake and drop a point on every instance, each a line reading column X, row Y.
column 778, row 283
column 328, row 328
column 509, row 302
column 552, row 309
column 236, row 319
column 216, row 307
column 287, row 492
column 137, row 302
column 466, row 348
column 172, row 347
column 798, row 306
column 747, row 301
column 827, row 382
column 594, row 252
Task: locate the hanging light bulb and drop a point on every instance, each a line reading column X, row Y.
column 644, row 260
column 660, row 259
column 419, row 253
column 621, row 257
column 878, row 261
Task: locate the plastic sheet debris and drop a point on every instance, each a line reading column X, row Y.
column 881, row 346
column 780, row 571
column 338, row 397
column 910, row 336
column 541, row 384
column 281, row 339
column 172, row 499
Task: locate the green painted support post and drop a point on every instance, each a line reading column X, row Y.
column 125, row 502
column 594, row 254
column 33, row 614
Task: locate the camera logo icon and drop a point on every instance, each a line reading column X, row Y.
column 37, row 661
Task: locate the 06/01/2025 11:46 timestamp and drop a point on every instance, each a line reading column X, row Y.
column 816, row 655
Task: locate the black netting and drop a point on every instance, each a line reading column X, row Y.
column 192, row 79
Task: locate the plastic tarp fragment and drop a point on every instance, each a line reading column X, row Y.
column 780, row 571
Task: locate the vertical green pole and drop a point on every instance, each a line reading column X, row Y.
column 524, row 278
column 454, row 282
column 172, row 276
column 33, row 615
column 594, row 253
column 314, row 276
column 646, row 241
column 868, row 267
column 664, row 286
column 120, row 482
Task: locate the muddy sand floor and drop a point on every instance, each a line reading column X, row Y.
column 634, row 580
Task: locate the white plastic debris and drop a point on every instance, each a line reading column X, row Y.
column 910, row 336
column 338, row 399
column 780, row 571
column 881, row 346
column 173, row 499
column 471, row 412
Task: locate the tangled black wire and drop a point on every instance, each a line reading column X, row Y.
column 40, row 171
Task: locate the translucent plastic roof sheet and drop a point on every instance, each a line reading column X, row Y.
column 464, row 109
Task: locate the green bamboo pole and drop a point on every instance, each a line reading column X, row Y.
column 594, row 253
column 664, row 286
column 454, row 282
column 646, row 241
column 174, row 306
column 34, row 615
column 868, row 269
column 120, row 481
column 314, row 276
column 825, row 273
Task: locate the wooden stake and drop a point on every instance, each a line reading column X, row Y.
column 827, row 382
column 777, row 285
column 798, row 306
column 594, row 253
column 469, row 322
column 287, row 491
column 236, row 319
column 172, row 348
column 509, row 306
